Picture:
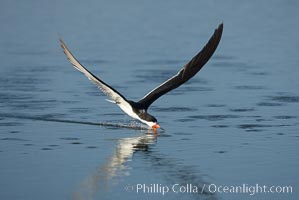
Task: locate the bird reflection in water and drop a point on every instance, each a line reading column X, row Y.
column 117, row 167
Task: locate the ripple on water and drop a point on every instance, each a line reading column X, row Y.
column 46, row 149
column 285, row 117
column 14, row 139
column 253, row 126
column 259, row 73
column 184, row 89
column 249, row 87
column 14, row 131
column 258, row 127
column 174, row 109
column 28, row 103
column 76, row 142
column 221, row 151
column 48, row 116
column 270, row 104
column 284, row 98
column 220, row 126
column 181, row 133
column 185, row 120
column 22, row 81
column 72, row 140
column 163, row 62
column 91, row 147
column 280, row 134
column 214, row 117
column 279, row 100
column 242, row 109
column 9, row 97
column 28, row 144
column 216, row 105
column 219, row 57
column 10, row 124
column 231, row 64
column 53, row 145
column 69, row 138
column 113, row 114
column 79, row 110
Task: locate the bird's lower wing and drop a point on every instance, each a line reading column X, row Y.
column 187, row 72
column 108, row 90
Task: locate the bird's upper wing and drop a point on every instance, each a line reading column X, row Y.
column 187, row 72
column 108, row 90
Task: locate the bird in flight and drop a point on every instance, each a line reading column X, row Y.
column 138, row 109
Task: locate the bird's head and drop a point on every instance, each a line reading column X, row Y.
column 152, row 122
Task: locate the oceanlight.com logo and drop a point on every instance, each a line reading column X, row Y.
column 251, row 190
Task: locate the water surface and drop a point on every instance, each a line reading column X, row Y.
column 235, row 123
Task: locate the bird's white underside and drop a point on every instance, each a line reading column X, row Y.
column 127, row 108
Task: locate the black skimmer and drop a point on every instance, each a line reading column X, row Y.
column 138, row 109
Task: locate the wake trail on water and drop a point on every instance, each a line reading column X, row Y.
column 133, row 125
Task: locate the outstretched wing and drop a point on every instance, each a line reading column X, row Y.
column 108, row 90
column 187, row 72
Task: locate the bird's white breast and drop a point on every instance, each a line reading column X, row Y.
column 127, row 108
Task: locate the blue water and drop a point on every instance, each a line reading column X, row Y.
column 234, row 124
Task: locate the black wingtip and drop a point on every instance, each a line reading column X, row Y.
column 61, row 42
column 220, row 28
